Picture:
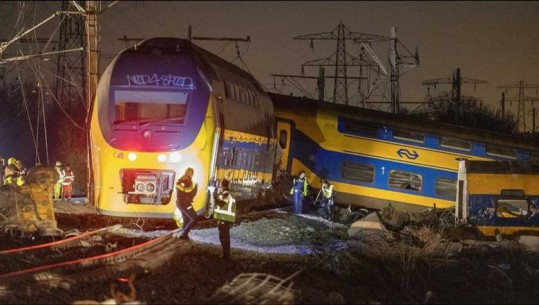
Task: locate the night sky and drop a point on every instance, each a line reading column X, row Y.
column 493, row 41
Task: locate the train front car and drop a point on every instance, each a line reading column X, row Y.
column 148, row 125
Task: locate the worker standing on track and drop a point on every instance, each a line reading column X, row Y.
column 225, row 213
column 10, row 175
column 58, row 185
column 299, row 190
column 326, row 199
column 67, row 184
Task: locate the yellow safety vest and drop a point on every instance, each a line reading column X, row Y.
column 327, row 191
column 305, row 183
column 228, row 211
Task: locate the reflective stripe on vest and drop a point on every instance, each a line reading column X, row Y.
column 304, row 186
column 186, row 189
column 227, row 212
column 328, row 192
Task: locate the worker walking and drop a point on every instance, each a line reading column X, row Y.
column 67, row 184
column 326, row 198
column 299, row 190
column 187, row 191
column 225, row 213
column 58, row 184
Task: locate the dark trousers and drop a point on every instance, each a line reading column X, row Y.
column 298, row 201
column 327, row 205
column 224, row 237
column 190, row 219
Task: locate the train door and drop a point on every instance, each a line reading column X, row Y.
column 283, row 146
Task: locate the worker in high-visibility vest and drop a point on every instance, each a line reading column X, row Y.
column 10, row 175
column 299, row 190
column 327, row 199
column 225, row 213
column 21, row 177
column 186, row 192
column 58, row 184
column 67, row 184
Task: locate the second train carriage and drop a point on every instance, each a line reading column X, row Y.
column 166, row 105
column 499, row 197
column 374, row 158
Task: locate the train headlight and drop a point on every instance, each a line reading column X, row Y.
column 118, row 155
column 140, row 187
column 132, row 156
column 161, row 158
column 175, row 157
column 150, row 187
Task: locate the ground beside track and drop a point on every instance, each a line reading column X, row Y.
column 332, row 273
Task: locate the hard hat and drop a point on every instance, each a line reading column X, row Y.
column 58, row 163
column 11, row 161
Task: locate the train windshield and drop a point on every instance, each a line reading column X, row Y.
column 147, row 107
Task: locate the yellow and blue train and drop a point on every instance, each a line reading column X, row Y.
column 374, row 158
column 166, row 105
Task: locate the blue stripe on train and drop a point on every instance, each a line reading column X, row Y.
column 431, row 142
column 328, row 164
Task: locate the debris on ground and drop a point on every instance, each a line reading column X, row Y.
column 257, row 288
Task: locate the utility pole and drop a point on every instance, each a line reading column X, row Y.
column 456, row 81
column 521, row 100
column 71, row 72
column 93, row 8
column 399, row 64
column 341, row 59
column 503, row 105
column 533, row 119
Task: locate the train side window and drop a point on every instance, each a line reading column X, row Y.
column 283, row 137
column 499, row 151
column 534, row 157
column 227, row 90
column 405, row 180
column 512, row 208
column 408, row 136
column 455, row 143
column 234, row 92
column 446, row 188
column 242, row 95
column 359, row 128
column 358, row 172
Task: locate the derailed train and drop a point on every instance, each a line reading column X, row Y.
column 167, row 104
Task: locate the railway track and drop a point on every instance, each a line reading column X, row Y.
column 47, row 263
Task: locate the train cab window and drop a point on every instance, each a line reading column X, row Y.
column 154, row 106
column 405, row 180
column 446, row 188
column 512, row 208
column 455, row 143
column 499, row 151
column 283, row 137
column 408, row 136
column 358, row 172
column 359, row 128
